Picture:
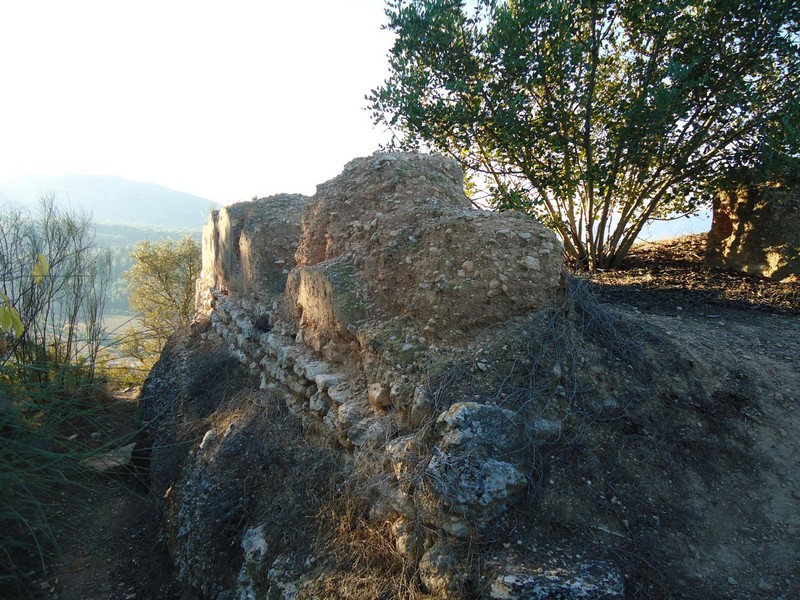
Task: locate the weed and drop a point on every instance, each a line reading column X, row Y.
column 45, row 447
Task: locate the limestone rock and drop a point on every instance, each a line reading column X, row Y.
column 474, row 486
column 255, row 549
column 441, row 569
column 420, row 406
column 470, row 471
column 590, row 580
column 113, row 459
column 473, row 425
column 403, row 454
column 408, row 537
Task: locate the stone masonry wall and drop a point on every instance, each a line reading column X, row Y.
column 343, row 303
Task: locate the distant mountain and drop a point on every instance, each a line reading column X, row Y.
column 112, row 199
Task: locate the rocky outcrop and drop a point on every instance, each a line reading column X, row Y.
column 756, row 229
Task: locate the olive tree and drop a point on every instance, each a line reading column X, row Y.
column 596, row 116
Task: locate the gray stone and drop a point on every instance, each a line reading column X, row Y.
column 441, row 569
column 420, row 406
column 309, row 368
column 371, row 432
column 547, row 430
column 471, row 425
column 589, row 580
column 113, row 459
column 326, row 381
column 475, row 487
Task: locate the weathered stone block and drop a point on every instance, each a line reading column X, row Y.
column 756, row 229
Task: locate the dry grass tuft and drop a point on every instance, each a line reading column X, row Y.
column 367, row 564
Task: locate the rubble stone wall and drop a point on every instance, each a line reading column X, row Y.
column 340, row 304
column 338, row 301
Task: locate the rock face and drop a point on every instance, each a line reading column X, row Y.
column 592, row 580
column 756, row 229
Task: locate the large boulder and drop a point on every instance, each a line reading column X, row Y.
column 756, row 229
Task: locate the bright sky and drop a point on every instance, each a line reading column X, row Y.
column 225, row 100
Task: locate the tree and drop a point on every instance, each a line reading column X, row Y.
column 161, row 284
column 595, row 115
column 55, row 281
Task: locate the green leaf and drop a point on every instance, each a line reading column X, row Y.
column 40, row 268
column 16, row 322
column 9, row 317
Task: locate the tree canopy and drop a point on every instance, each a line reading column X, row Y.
column 162, row 289
column 596, row 115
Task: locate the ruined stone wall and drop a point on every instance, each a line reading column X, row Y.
column 756, row 229
column 341, row 301
column 344, row 303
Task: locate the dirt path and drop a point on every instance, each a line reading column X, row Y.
column 110, row 547
column 748, row 329
column 752, row 525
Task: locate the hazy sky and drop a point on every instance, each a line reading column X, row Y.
column 225, row 100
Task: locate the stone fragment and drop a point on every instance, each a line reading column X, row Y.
column 403, row 457
column 286, row 356
column 442, row 569
column 547, row 430
column 379, row 395
column 350, row 413
column 325, row 381
column 371, row 432
column 420, row 406
column 408, row 537
column 208, row 439
column 319, row 403
column 530, row 262
column 590, row 580
column 339, row 393
column 476, row 487
column 113, row 459
column 309, row 368
column 476, row 425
